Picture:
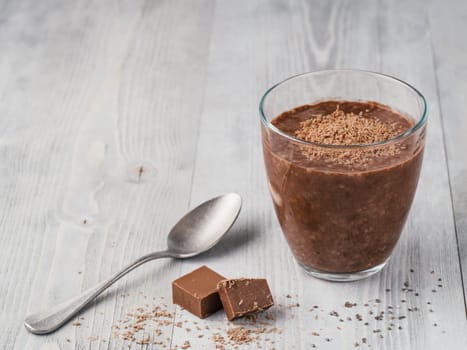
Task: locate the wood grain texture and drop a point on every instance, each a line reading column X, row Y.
column 450, row 62
column 94, row 91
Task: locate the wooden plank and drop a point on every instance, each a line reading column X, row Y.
column 450, row 60
column 92, row 92
column 255, row 45
column 431, row 241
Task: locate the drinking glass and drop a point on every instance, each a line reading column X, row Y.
column 342, row 218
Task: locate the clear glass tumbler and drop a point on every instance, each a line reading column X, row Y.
column 342, row 218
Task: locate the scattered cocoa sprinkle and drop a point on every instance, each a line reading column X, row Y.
column 239, row 335
column 288, row 296
column 218, row 339
column 252, row 318
column 140, row 171
column 143, row 341
column 67, row 340
column 349, row 304
column 316, row 334
column 76, row 324
column 380, row 316
column 186, row 345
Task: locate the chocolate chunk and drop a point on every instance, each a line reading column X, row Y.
column 244, row 296
column 197, row 291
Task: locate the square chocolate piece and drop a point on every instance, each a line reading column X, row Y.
column 244, row 296
column 197, row 291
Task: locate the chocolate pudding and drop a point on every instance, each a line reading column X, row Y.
column 343, row 182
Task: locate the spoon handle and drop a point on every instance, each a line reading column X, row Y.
column 47, row 321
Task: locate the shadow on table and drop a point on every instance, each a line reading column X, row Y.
column 239, row 237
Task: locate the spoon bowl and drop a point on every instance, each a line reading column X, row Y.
column 204, row 226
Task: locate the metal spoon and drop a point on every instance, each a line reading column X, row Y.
column 196, row 232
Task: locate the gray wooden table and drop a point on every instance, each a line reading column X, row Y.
column 117, row 116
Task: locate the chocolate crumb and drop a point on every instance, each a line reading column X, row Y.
column 340, row 128
column 186, row 345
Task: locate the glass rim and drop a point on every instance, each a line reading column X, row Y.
column 404, row 135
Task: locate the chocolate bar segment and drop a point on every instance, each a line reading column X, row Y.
column 244, row 296
column 197, row 291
